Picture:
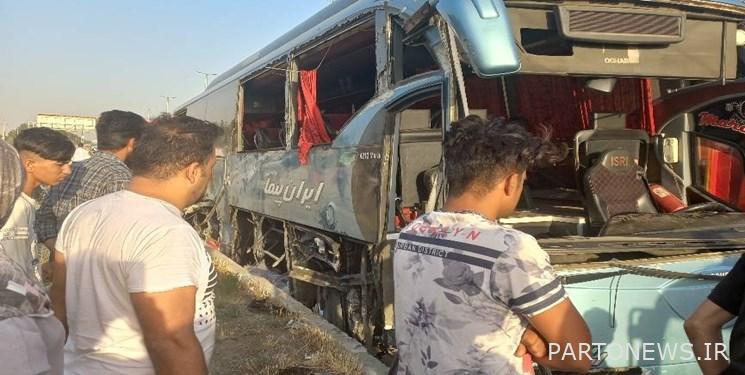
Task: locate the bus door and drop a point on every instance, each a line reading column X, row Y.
column 702, row 143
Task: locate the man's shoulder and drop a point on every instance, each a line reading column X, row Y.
column 19, row 215
column 105, row 166
column 89, row 206
column 26, row 203
column 524, row 248
column 143, row 212
column 445, row 226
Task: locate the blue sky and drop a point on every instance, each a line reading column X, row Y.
column 85, row 57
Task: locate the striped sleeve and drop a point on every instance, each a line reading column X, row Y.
column 524, row 279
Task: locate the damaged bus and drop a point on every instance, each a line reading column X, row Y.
column 336, row 144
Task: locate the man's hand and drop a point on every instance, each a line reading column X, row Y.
column 58, row 290
column 563, row 325
column 532, row 343
column 47, row 268
column 50, row 244
column 46, row 271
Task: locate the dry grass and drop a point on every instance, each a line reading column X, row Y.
column 254, row 337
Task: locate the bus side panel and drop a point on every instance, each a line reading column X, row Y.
column 329, row 193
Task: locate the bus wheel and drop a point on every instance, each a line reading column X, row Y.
column 332, row 307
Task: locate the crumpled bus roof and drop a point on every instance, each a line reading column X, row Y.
column 342, row 11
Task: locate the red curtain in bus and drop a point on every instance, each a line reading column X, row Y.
column 312, row 129
column 486, row 94
column 646, row 109
column 566, row 106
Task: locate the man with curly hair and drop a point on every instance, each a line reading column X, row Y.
column 473, row 296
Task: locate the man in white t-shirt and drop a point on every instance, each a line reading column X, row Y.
column 471, row 294
column 132, row 280
column 45, row 156
column 32, row 338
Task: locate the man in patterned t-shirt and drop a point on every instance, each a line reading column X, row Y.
column 469, row 289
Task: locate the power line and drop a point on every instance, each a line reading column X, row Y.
column 206, row 77
column 168, row 102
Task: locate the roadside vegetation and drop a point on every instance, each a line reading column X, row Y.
column 255, row 337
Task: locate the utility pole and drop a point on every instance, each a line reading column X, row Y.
column 206, row 77
column 168, row 102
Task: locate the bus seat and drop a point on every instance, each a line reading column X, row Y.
column 615, row 185
column 589, row 145
column 417, row 158
column 265, row 138
column 428, row 184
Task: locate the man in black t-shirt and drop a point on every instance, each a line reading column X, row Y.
column 704, row 327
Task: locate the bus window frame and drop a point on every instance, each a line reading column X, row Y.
column 694, row 149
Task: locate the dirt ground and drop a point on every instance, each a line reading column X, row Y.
column 256, row 338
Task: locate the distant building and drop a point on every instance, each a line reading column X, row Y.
column 80, row 128
column 69, row 123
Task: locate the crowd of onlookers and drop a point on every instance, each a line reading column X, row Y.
column 132, row 287
column 131, row 283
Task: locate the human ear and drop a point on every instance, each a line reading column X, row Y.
column 193, row 172
column 131, row 144
column 512, row 184
column 28, row 164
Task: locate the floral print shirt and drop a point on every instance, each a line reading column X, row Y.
column 20, row 293
column 464, row 288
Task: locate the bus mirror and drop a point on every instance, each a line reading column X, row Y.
column 484, row 33
column 670, row 150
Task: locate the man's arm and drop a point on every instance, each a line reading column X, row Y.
column 46, row 223
column 50, row 244
column 704, row 329
column 167, row 321
column 526, row 282
column 45, row 226
column 567, row 335
column 47, row 268
column 57, row 292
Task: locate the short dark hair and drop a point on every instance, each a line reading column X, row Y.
column 115, row 128
column 478, row 154
column 170, row 144
column 45, row 142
